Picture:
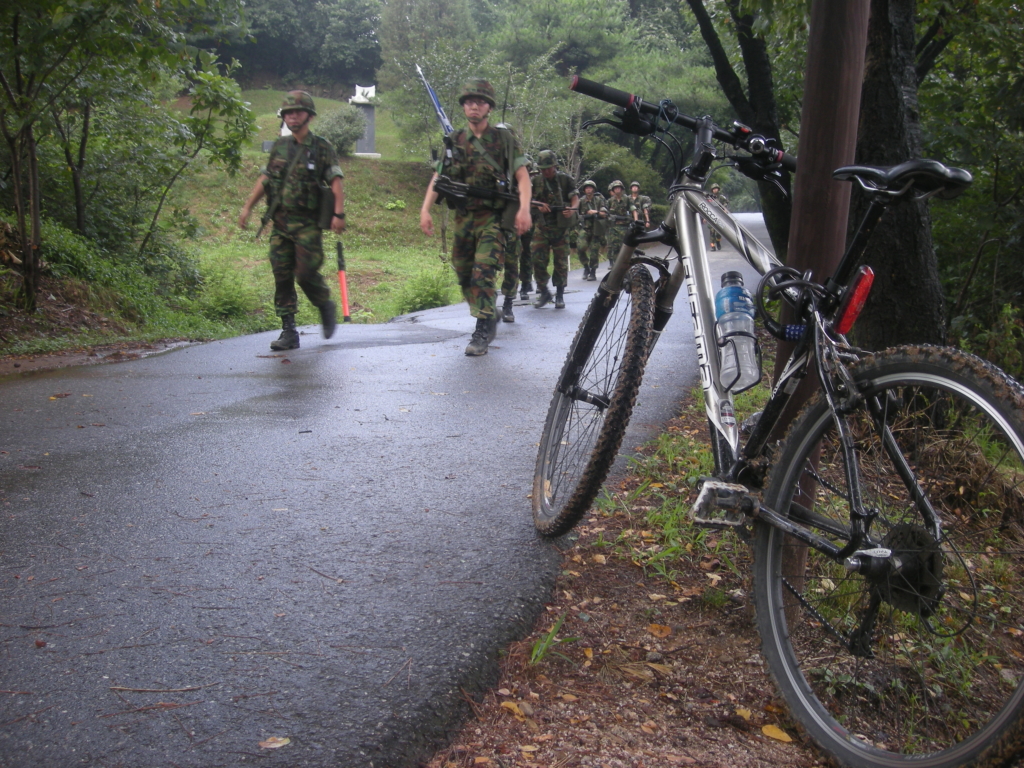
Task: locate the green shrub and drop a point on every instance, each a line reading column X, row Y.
column 226, row 294
column 426, row 290
column 343, row 127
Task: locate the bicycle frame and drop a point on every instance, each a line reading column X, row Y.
column 682, row 231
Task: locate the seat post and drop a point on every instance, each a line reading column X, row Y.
column 859, row 241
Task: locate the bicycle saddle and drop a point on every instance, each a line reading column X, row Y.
column 928, row 176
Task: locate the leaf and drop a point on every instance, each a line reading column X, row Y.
column 774, row 732
column 569, row 697
column 744, row 713
column 600, row 559
column 661, row 669
column 588, row 652
column 529, row 748
column 657, row 597
column 659, row 630
column 649, row 727
column 512, row 707
column 275, row 742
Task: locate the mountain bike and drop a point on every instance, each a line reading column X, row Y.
column 887, row 527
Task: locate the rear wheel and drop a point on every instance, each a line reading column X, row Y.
column 922, row 664
column 593, row 401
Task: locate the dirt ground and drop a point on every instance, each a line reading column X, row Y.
column 62, row 312
column 649, row 672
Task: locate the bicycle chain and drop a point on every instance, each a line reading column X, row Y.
column 813, row 611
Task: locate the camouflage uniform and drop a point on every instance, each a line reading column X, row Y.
column 513, row 250
column 296, row 250
column 550, row 234
column 617, row 229
column 592, row 236
column 640, row 203
column 478, row 251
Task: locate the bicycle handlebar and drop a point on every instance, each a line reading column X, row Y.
column 629, row 100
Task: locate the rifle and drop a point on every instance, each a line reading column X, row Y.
column 457, row 192
column 442, row 118
column 616, row 217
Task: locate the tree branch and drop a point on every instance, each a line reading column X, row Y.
column 726, row 75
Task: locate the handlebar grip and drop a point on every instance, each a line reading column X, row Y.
column 788, row 162
column 602, row 92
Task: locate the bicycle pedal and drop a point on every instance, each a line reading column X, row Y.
column 721, row 505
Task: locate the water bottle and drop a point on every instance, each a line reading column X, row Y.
column 734, row 308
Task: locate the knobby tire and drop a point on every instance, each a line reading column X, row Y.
column 922, row 666
column 581, row 439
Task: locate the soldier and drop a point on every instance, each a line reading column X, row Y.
column 641, row 204
column 593, row 213
column 486, row 158
column 298, row 167
column 715, row 235
column 552, row 188
column 619, row 215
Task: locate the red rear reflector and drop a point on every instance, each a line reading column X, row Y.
column 853, row 301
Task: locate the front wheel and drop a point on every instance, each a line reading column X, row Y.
column 921, row 663
column 593, row 401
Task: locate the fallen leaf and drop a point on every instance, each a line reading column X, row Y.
column 529, row 748
column 661, row 669
column 40, row 643
column 600, row 559
column 649, row 727
column 569, row 697
column 744, row 713
column 659, row 630
column 275, row 742
column 774, row 732
column 714, row 577
column 512, row 707
column 657, row 597
column 588, row 652
column 504, row 692
column 481, row 760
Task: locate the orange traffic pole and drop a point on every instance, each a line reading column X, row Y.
column 343, row 284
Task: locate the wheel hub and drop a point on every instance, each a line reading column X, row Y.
column 916, row 585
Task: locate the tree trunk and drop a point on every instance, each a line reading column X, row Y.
column 907, row 303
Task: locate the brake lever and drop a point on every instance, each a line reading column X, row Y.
column 602, row 121
column 752, row 168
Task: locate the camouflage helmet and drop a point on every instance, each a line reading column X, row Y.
column 589, row 183
column 480, row 88
column 634, row 184
column 546, row 159
column 296, row 100
column 614, row 184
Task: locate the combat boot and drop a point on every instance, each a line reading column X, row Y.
column 524, row 289
column 328, row 318
column 478, row 344
column 506, row 311
column 492, row 326
column 543, row 297
column 559, row 297
column 289, row 338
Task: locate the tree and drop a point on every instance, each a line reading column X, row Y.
column 47, row 46
column 755, row 106
column 907, row 303
column 218, row 122
column 573, row 34
column 320, row 41
column 972, row 105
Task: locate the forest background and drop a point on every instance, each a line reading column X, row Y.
column 133, row 131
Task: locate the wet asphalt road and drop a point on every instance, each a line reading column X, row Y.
column 218, row 545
